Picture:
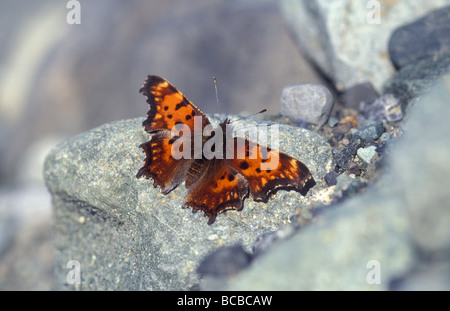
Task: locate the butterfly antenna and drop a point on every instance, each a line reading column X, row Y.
column 246, row 117
column 217, row 93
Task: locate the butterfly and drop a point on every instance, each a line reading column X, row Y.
column 218, row 183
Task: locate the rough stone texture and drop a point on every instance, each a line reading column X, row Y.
column 347, row 153
column 126, row 235
column 424, row 38
column 307, row 102
column 371, row 131
column 345, row 39
column 415, row 79
column 403, row 223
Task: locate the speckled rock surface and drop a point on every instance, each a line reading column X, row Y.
column 126, row 235
column 307, row 102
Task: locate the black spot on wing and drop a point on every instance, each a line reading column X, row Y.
column 244, row 165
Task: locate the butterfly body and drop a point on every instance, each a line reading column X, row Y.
column 218, row 180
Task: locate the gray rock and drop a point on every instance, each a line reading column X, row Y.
column 346, row 186
column 426, row 189
column 359, row 139
column 386, row 107
column 371, row 131
column 265, row 241
column 346, row 154
column 415, row 79
column 332, row 121
column 224, row 261
column 127, row 235
column 429, row 277
column 331, row 178
column 385, row 137
column 348, row 40
column 357, row 94
column 306, row 101
column 422, row 166
column 426, row 37
column 333, row 253
column 398, row 227
column 366, row 154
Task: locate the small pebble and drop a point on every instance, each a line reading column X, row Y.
column 372, row 131
column 306, row 101
column 350, row 119
column 331, row 178
column 386, row 107
column 366, row 154
column 345, row 155
column 332, row 121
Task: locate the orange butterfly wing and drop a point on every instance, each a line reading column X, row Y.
column 267, row 171
column 168, row 106
column 216, row 185
column 215, row 189
column 160, row 165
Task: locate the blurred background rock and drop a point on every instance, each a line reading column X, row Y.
column 58, row 80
